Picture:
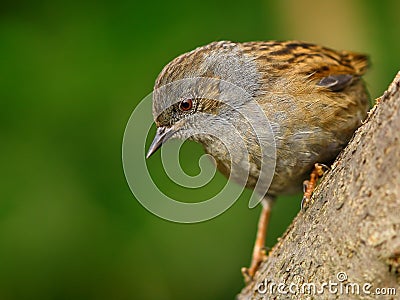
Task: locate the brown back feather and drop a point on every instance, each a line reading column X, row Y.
column 304, row 58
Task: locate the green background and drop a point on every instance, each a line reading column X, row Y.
column 71, row 74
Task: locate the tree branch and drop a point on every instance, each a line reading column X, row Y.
column 352, row 224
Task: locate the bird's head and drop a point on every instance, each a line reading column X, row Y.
column 201, row 89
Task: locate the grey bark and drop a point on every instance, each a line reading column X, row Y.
column 352, row 227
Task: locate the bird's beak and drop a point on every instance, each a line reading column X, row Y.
column 162, row 135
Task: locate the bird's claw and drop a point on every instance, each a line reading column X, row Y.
column 309, row 185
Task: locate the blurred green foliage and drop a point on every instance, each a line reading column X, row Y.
column 71, row 74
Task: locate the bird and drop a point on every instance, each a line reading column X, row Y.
column 314, row 97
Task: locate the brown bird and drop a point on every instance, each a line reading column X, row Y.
column 313, row 97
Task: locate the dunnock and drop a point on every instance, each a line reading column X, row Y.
column 313, row 97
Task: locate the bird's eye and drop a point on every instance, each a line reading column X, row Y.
column 186, row 105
